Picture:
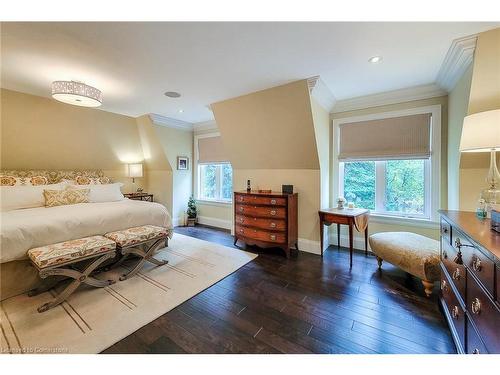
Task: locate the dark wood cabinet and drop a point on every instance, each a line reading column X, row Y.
column 266, row 220
column 470, row 264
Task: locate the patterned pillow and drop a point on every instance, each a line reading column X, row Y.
column 64, row 197
column 23, row 181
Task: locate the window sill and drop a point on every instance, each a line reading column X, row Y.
column 206, row 202
column 404, row 221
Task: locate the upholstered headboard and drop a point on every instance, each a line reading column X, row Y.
column 53, row 176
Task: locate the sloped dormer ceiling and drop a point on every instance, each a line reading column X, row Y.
column 269, row 129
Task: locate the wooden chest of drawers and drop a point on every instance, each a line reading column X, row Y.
column 470, row 273
column 266, row 220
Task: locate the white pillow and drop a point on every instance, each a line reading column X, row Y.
column 102, row 193
column 17, row 197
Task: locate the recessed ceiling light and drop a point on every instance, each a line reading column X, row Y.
column 375, row 59
column 172, row 94
column 181, row 111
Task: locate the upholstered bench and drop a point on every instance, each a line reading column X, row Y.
column 142, row 241
column 61, row 259
column 413, row 253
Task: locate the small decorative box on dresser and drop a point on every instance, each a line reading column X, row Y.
column 470, row 274
column 266, row 219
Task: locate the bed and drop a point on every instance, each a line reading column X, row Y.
column 23, row 229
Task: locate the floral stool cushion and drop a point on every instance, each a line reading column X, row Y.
column 132, row 236
column 413, row 253
column 70, row 251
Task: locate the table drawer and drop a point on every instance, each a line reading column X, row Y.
column 445, row 231
column 261, row 235
column 456, row 271
column 479, row 265
column 254, row 199
column 454, row 308
column 474, row 343
column 262, row 223
column 484, row 313
column 261, row 211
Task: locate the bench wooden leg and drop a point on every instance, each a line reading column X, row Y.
column 79, row 278
column 428, row 286
column 144, row 256
column 379, row 261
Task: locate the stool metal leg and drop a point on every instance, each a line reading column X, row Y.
column 144, row 256
column 79, row 278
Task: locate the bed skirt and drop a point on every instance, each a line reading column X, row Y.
column 17, row 277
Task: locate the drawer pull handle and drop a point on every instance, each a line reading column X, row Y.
column 273, row 225
column 476, row 351
column 273, row 201
column 454, row 312
column 476, row 264
column 456, row 274
column 242, row 209
column 476, row 306
column 241, row 220
column 241, row 199
column 444, row 286
column 241, row 230
column 273, row 212
column 273, row 237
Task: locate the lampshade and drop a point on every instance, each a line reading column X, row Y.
column 481, row 132
column 135, row 170
column 76, row 93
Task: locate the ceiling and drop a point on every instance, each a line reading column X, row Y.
column 134, row 63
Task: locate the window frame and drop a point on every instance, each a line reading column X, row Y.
column 432, row 170
column 218, row 183
column 197, row 177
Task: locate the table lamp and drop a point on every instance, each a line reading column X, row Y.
column 134, row 170
column 481, row 133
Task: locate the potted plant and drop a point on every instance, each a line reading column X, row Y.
column 192, row 212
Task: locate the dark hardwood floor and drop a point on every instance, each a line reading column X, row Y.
column 301, row 305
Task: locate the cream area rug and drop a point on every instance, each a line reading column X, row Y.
column 92, row 319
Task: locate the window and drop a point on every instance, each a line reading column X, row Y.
column 390, row 163
column 215, row 182
column 393, row 187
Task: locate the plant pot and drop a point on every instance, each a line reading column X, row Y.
column 191, row 221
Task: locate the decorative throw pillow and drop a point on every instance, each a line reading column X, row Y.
column 23, row 181
column 64, row 197
column 103, row 192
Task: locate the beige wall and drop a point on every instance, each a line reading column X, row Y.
column 269, row 129
column 458, row 101
column 41, row 133
column 176, row 142
column 270, row 138
column 484, row 96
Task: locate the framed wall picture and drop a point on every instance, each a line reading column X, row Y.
column 182, row 162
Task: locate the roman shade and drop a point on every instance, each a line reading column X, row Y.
column 211, row 150
column 405, row 137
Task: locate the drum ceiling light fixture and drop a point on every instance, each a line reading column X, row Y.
column 76, row 93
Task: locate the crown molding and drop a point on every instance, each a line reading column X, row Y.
column 390, row 97
column 205, row 125
column 458, row 58
column 321, row 92
column 170, row 122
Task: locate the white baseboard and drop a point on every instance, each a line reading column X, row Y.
column 357, row 243
column 309, row 246
column 177, row 222
column 214, row 222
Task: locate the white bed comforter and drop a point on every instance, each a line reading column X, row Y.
column 21, row 230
